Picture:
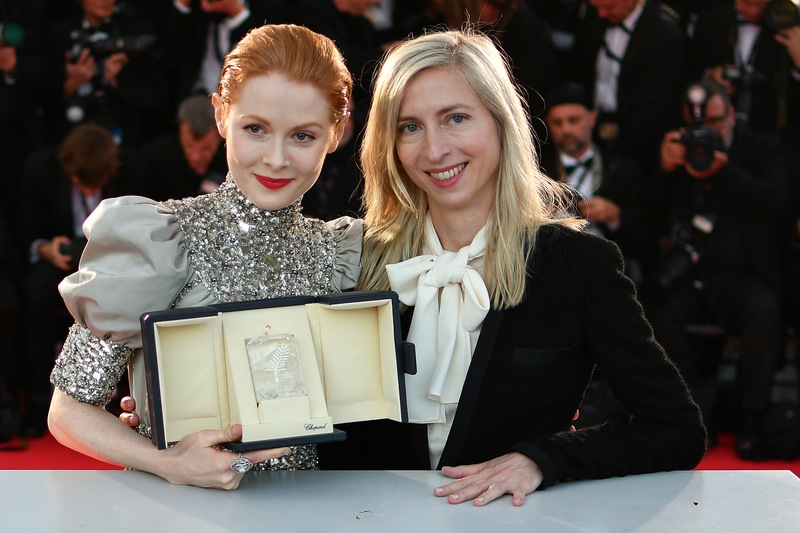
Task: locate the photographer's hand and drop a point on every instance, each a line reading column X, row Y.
column 673, row 152
column 113, row 66
column 228, row 8
column 720, row 160
column 717, row 75
column 78, row 72
column 50, row 252
column 8, row 59
column 600, row 210
column 790, row 38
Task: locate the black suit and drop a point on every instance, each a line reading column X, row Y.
column 45, row 211
column 354, row 35
column 183, row 38
column 648, row 94
column 622, row 181
column 529, row 372
column 740, row 261
column 169, row 175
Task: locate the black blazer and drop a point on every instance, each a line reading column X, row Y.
column 622, row 181
column 529, row 373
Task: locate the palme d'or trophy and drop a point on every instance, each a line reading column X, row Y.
column 277, row 376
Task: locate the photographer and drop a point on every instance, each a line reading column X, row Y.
column 61, row 186
column 717, row 201
column 752, row 48
column 105, row 70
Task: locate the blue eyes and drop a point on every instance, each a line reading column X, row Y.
column 414, row 128
column 301, row 136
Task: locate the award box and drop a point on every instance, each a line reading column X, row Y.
column 348, row 344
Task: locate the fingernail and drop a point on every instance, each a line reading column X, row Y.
column 286, row 452
column 455, row 496
column 481, row 499
column 440, row 490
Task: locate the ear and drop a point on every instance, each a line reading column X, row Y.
column 219, row 113
column 593, row 117
column 338, row 133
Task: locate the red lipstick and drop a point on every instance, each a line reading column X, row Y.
column 273, row 183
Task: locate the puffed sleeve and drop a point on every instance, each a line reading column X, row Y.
column 135, row 261
column 348, row 233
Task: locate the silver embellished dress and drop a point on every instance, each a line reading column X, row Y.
column 144, row 256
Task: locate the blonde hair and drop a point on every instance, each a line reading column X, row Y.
column 294, row 51
column 525, row 198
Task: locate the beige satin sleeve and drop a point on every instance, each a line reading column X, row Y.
column 135, row 261
column 349, row 235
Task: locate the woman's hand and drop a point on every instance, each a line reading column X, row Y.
column 198, row 460
column 512, row 473
column 128, row 416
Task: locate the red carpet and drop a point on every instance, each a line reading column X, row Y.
column 723, row 457
column 47, row 454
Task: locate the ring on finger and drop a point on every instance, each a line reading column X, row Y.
column 242, row 464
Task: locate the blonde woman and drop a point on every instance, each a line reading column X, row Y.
column 510, row 304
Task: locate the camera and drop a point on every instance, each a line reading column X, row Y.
column 780, row 15
column 683, row 250
column 91, row 102
column 101, row 44
column 700, row 141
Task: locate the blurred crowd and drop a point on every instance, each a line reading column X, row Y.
column 676, row 123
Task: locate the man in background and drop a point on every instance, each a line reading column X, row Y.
column 191, row 160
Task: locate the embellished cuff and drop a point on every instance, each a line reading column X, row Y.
column 348, row 233
column 89, row 367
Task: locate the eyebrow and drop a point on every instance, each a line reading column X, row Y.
column 256, row 118
column 442, row 111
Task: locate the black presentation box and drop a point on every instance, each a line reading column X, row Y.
column 348, row 344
